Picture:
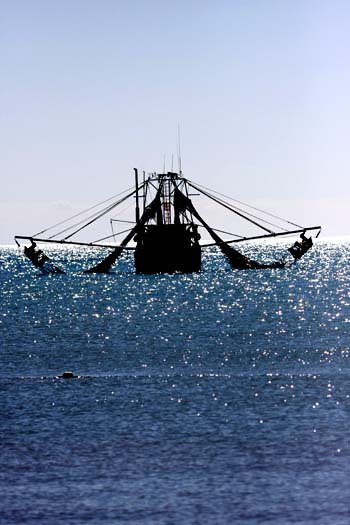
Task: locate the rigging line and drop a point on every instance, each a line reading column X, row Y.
column 252, row 207
column 120, row 220
column 259, row 218
column 114, row 235
column 229, row 208
column 105, row 210
column 252, row 215
column 97, row 214
column 183, row 185
column 101, row 214
column 123, row 210
column 94, row 217
column 82, row 212
column 153, row 185
column 222, row 231
column 247, row 213
column 256, row 217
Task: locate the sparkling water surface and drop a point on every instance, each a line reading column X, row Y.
column 219, row 397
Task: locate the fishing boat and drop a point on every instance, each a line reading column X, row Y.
column 165, row 232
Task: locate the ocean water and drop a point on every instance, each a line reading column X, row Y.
column 215, row 398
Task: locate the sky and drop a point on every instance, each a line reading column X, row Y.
column 91, row 89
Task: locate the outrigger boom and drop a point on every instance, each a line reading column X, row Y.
column 74, row 243
column 269, row 235
column 165, row 230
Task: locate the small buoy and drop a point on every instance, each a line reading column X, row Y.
column 67, row 375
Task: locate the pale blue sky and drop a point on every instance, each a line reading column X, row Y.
column 91, row 89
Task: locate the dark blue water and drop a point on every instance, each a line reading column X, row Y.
column 220, row 397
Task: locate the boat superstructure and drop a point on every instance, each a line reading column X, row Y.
column 169, row 241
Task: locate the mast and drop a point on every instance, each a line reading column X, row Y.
column 144, row 192
column 137, row 209
column 166, row 200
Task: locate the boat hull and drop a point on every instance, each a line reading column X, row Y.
column 167, row 248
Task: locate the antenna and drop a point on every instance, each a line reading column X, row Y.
column 179, row 148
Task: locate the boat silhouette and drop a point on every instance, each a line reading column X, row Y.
column 164, row 235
